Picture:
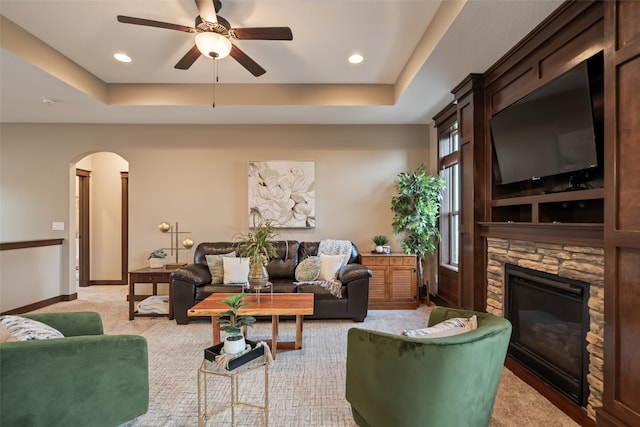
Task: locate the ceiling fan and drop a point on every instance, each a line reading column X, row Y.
column 214, row 34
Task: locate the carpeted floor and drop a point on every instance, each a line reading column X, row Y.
column 306, row 387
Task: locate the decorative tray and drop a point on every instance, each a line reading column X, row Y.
column 255, row 352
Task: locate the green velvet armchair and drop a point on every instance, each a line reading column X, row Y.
column 85, row 379
column 399, row 381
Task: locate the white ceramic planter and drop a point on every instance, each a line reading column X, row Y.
column 234, row 344
column 156, row 262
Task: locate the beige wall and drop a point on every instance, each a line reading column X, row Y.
column 197, row 175
column 21, row 284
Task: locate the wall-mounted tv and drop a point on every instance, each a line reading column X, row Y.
column 548, row 132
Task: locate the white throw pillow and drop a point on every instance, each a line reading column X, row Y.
column 330, row 266
column 17, row 328
column 447, row 328
column 236, row 270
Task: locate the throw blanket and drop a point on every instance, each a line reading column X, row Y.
column 332, row 247
column 156, row 304
column 336, row 247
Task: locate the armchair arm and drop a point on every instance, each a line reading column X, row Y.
column 356, row 278
column 184, row 282
column 488, row 321
column 97, row 380
column 71, row 324
column 351, row 272
column 197, row 274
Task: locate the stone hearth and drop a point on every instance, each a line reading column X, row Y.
column 571, row 261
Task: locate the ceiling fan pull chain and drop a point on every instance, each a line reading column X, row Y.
column 215, row 81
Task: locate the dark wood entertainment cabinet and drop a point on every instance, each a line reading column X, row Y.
column 604, row 216
column 581, row 206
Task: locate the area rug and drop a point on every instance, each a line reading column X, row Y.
column 306, row 387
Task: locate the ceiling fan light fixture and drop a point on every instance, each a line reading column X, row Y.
column 213, row 45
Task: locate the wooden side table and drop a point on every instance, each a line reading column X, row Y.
column 153, row 276
column 394, row 285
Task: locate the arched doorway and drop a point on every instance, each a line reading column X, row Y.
column 101, row 219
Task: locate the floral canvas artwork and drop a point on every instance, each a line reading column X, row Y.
column 282, row 192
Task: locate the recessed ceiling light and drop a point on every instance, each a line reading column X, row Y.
column 122, row 57
column 356, row 58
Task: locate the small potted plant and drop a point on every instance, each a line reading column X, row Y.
column 232, row 323
column 380, row 241
column 156, row 258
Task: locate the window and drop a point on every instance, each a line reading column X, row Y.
column 450, row 210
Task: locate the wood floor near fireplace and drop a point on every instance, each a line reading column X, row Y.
column 577, row 413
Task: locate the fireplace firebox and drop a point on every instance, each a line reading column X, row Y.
column 550, row 319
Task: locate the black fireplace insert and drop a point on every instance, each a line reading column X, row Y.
column 550, row 319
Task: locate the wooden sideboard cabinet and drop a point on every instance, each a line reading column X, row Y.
column 394, row 284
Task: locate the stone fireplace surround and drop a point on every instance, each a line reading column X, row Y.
column 572, row 261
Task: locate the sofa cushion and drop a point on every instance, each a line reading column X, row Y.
column 236, row 270
column 447, row 328
column 203, row 292
column 308, row 269
column 216, row 268
column 320, row 292
column 283, row 266
column 282, row 286
column 17, row 328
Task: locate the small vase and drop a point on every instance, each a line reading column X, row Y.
column 156, row 262
column 379, row 249
column 258, row 275
column 234, row 344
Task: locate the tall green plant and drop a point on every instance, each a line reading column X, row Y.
column 416, row 209
column 258, row 244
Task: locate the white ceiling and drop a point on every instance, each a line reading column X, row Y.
column 415, row 52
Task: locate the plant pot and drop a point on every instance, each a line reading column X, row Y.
column 156, row 262
column 379, row 249
column 234, row 344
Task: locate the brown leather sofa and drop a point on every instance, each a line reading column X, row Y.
column 192, row 283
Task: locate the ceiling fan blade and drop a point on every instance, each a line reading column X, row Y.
column 248, row 63
column 262, row 33
column 188, row 59
column 207, row 10
column 157, row 24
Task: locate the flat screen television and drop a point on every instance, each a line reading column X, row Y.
column 548, row 132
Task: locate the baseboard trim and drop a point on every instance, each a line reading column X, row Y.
column 42, row 304
column 107, row 282
column 575, row 412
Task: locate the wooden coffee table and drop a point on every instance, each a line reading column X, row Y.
column 274, row 305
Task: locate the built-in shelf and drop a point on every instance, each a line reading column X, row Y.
column 574, row 207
